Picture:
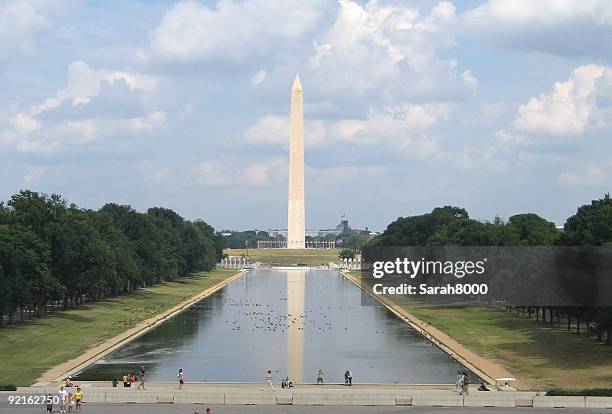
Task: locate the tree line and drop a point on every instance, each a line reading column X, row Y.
column 56, row 255
column 591, row 225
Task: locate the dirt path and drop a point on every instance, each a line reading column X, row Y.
column 484, row 368
column 61, row 371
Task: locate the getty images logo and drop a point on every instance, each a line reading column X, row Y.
column 412, row 268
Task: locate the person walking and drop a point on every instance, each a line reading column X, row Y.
column 320, row 377
column 466, row 383
column 346, row 377
column 181, row 378
column 132, row 380
column 142, row 378
column 269, row 386
column 49, row 404
column 70, row 402
column 350, row 377
column 458, row 382
column 62, row 396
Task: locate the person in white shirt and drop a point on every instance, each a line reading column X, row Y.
column 63, row 394
column 181, row 378
column 269, row 386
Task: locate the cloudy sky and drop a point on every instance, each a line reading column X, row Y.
column 499, row 106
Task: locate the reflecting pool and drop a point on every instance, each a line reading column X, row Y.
column 293, row 322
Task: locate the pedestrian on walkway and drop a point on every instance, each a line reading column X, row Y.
column 49, row 404
column 63, row 395
column 269, row 386
column 70, row 402
column 142, row 378
column 349, row 377
column 458, row 382
column 181, row 378
column 78, row 398
column 466, row 383
column 320, row 377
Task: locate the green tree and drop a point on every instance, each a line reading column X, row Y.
column 347, row 254
column 591, row 225
column 533, row 230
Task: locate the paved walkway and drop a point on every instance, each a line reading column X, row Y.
column 237, row 409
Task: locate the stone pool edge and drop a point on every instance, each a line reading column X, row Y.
column 63, row 370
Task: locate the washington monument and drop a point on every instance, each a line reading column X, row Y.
column 295, row 221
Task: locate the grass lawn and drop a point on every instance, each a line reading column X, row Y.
column 29, row 349
column 288, row 257
column 540, row 354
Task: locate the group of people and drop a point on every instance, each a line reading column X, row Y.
column 286, row 383
column 129, row 380
column 348, row 377
column 68, row 401
column 463, row 383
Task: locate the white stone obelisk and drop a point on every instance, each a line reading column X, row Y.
column 296, row 224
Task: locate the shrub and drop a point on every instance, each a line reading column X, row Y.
column 8, row 387
column 590, row 392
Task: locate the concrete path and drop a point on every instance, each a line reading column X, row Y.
column 252, row 409
column 331, row 396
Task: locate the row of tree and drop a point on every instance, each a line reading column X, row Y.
column 248, row 238
column 55, row 254
column 591, row 225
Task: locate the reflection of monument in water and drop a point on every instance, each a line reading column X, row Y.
column 295, row 332
column 296, row 226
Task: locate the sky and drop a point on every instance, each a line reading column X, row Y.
column 498, row 106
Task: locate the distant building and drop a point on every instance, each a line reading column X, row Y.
column 343, row 227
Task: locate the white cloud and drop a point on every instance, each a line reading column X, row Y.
column 388, row 50
column 391, row 123
column 232, row 32
column 257, row 174
column 85, row 82
column 22, row 22
column 343, row 173
column 274, row 130
column 571, row 107
column 154, row 174
column 258, row 78
column 400, row 128
column 590, row 175
column 34, row 173
column 488, row 113
column 40, row 130
column 211, row 173
column 70, row 134
column 470, row 81
column 24, row 123
column 565, row 27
